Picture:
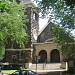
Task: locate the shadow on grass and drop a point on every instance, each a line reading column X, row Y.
column 71, row 71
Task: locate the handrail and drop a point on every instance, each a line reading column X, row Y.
column 44, row 64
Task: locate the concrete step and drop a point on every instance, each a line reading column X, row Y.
column 52, row 66
column 38, row 66
column 47, row 66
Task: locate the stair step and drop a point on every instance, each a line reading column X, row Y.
column 51, row 66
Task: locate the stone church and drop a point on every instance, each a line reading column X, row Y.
column 40, row 44
column 45, row 49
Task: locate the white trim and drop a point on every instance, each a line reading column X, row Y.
column 19, row 49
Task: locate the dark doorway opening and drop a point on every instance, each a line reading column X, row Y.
column 55, row 56
column 43, row 56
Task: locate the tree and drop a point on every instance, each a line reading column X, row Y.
column 60, row 11
column 12, row 24
column 65, row 40
column 62, row 14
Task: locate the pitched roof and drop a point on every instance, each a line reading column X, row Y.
column 29, row 2
column 44, row 27
column 26, row 1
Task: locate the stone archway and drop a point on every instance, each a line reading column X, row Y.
column 43, row 56
column 55, row 56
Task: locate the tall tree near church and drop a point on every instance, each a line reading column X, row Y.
column 62, row 13
column 12, row 25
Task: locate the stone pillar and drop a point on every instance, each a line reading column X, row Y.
column 48, row 56
column 61, row 57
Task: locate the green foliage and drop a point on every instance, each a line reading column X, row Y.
column 59, row 12
column 68, row 50
column 4, row 6
column 65, row 40
column 70, row 3
column 61, row 37
column 2, row 50
column 12, row 23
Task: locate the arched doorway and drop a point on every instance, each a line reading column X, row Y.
column 43, row 56
column 55, row 56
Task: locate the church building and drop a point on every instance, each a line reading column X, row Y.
column 40, row 44
column 45, row 49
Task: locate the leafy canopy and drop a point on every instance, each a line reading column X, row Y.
column 12, row 24
column 60, row 11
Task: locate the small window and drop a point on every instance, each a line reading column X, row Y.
column 34, row 16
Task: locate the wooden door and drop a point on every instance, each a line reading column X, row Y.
column 43, row 56
column 55, row 56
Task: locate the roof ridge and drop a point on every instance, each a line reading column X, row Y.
column 44, row 27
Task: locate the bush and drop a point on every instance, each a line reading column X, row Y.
column 10, row 67
column 71, row 71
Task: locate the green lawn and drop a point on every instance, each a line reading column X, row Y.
column 8, row 71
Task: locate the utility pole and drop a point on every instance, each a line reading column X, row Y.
column 36, row 63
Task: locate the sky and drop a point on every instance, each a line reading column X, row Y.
column 42, row 22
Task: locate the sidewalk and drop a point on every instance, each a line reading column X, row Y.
column 49, row 70
column 51, row 73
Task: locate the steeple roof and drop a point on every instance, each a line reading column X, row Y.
column 25, row 1
column 28, row 2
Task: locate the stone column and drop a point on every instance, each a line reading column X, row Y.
column 48, row 56
column 61, row 57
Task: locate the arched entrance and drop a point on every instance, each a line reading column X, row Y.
column 55, row 56
column 43, row 56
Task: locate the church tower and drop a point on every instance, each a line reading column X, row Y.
column 33, row 24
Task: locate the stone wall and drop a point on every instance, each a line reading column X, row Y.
column 48, row 47
column 17, row 56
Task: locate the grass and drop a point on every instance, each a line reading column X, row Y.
column 11, row 71
column 8, row 71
